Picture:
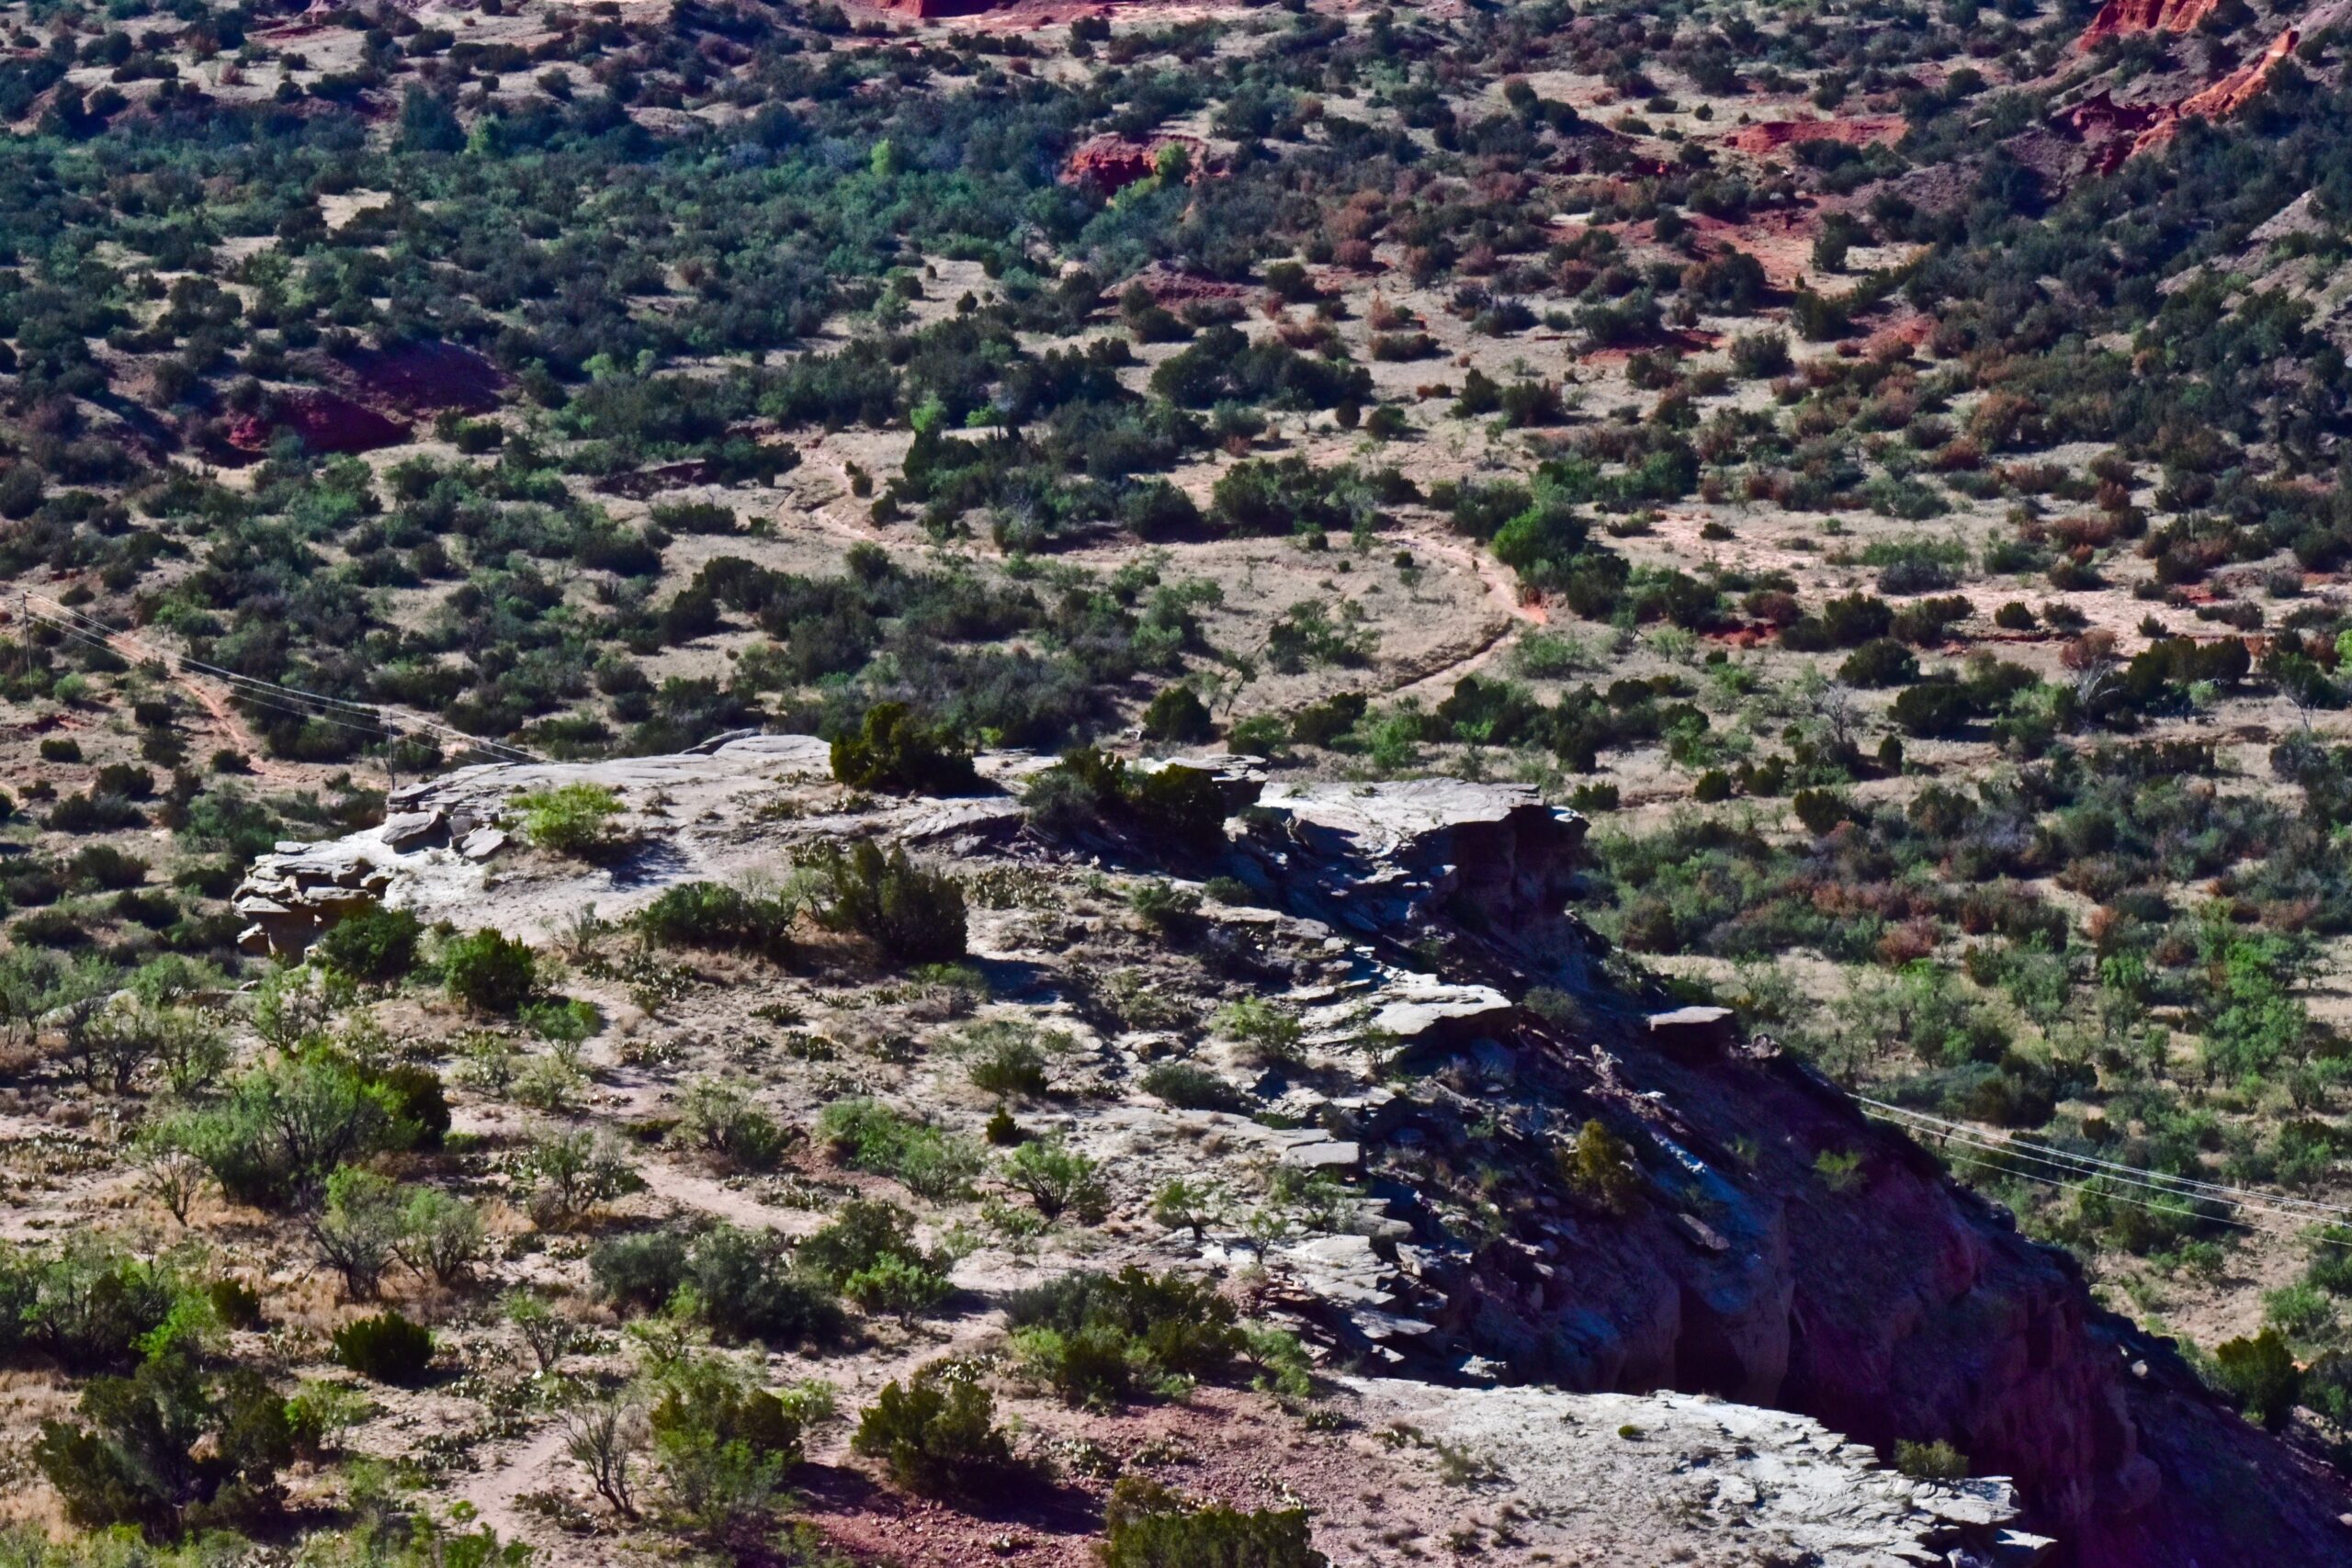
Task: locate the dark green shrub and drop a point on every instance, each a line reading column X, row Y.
column 916, row 916
column 1010, row 1066
column 1147, row 1526
column 937, row 1433
column 386, row 1347
column 88, row 1306
column 276, row 1132
column 1881, row 661
column 1172, row 909
column 167, row 1452
column 418, row 1103
column 377, row 945
column 1759, row 356
column 104, row 867
column 892, row 749
column 1178, row 715
column 573, row 819
column 695, row 517
column 723, row 1120
column 712, row 915
column 1100, row 1340
column 235, row 1302
column 490, row 972
column 745, row 1289
column 1819, row 810
column 1937, row 1460
column 1320, row 724
column 722, row 1448
column 1934, row 709
column 869, row 1254
column 1172, row 805
column 1191, row 1087
column 2261, row 1375
column 867, row 1135
column 641, row 1272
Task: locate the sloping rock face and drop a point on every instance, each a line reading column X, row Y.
column 2240, row 87
column 1881, row 1301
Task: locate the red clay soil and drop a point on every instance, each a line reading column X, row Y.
column 2118, row 17
column 420, row 377
column 1235, row 1447
column 2117, row 131
column 1857, row 131
column 1109, row 165
column 325, row 422
column 2242, row 86
column 1779, row 238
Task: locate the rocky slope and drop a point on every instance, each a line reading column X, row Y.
column 1461, row 1030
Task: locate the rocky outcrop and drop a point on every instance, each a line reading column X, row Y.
column 1857, row 131
column 2115, row 132
column 295, row 894
column 416, row 377
column 1491, row 857
column 1778, row 1249
column 2119, row 18
column 1670, row 1477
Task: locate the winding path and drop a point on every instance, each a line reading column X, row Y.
column 1502, row 593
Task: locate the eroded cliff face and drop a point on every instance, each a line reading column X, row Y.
column 1882, row 1300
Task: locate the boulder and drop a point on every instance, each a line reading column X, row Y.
column 1694, row 1033
column 1424, row 1012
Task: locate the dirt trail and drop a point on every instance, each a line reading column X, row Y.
column 1502, row 593
column 495, row 1488
column 223, row 718
column 240, row 734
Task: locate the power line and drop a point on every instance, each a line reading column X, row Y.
column 254, row 684
column 2188, row 1203
column 270, row 695
column 2120, row 1198
column 2182, row 1209
column 2186, row 1185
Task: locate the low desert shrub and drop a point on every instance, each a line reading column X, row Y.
column 1102, row 1339
column 891, row 749
column 387, row 1348
column 490, row 972
column 1191, row 1087
column 1147, row 1526
column 914, row 915
column 867, row 1135
column 377, row 945
column 573, row 820
column 714, row 916
column 869, row 1254
column 937, row 1433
